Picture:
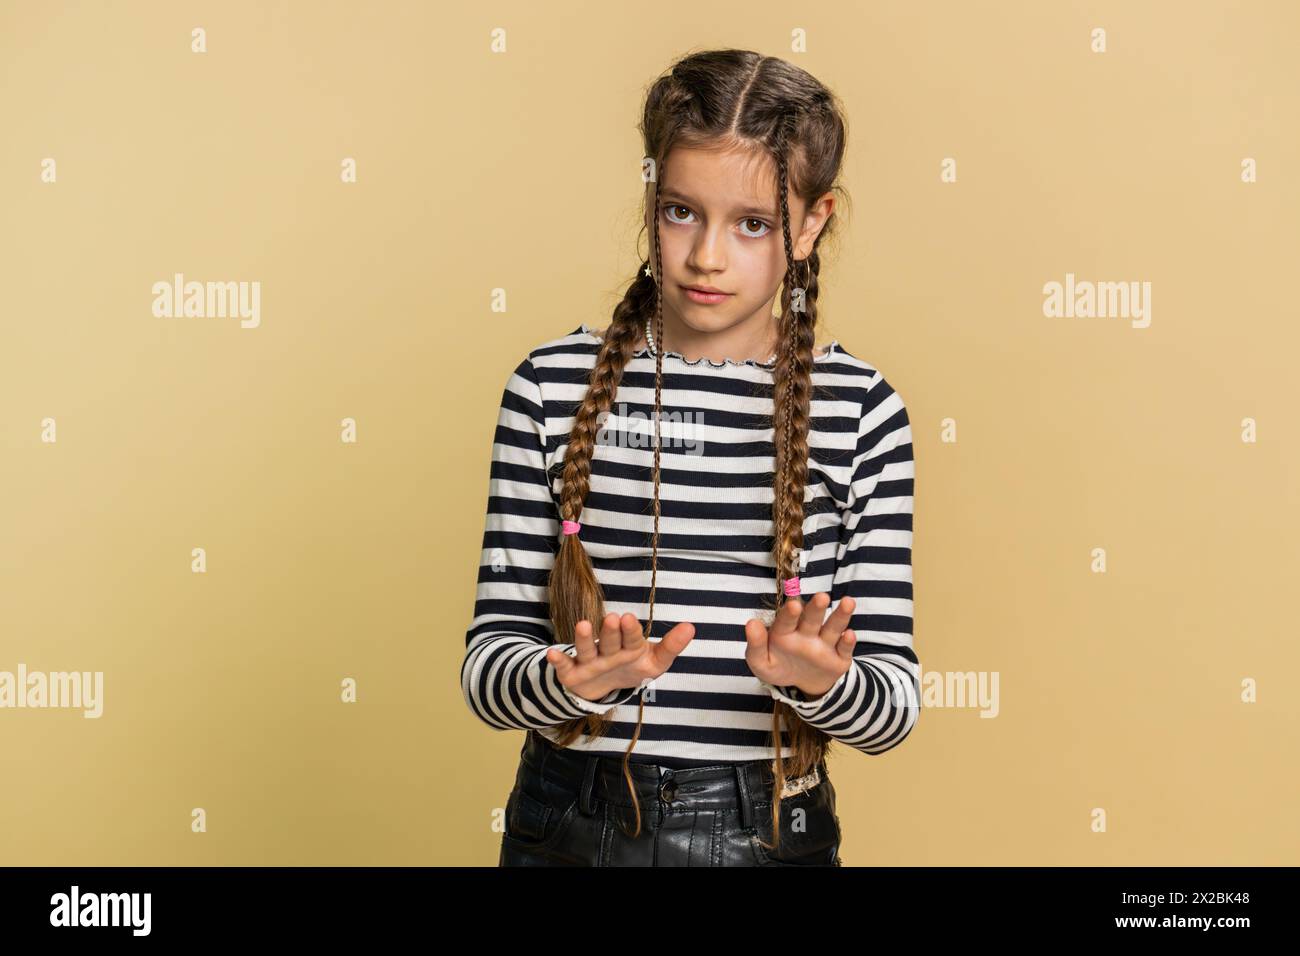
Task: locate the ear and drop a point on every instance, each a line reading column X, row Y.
column 813, row 223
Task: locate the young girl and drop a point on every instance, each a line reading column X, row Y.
column 774, row 486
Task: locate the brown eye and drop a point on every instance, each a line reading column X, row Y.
column 761, row 224
column 668, row 211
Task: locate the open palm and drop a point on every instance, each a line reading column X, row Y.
column 803, row 648
column 621, row 657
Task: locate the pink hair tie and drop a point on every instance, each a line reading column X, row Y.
column 571, row 527
column 791, row 587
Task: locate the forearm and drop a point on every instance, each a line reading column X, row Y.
column 871, row 708
column 510, row 685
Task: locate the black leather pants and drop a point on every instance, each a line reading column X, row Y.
column 573, row 809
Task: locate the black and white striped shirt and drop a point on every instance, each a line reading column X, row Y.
column 715, row 538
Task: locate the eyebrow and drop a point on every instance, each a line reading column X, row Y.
column 672, row 194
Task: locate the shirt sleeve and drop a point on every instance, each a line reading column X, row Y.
column 505, row 676
column 875, row 703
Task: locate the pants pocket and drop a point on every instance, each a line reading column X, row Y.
column 810, row 831
column 535, row 823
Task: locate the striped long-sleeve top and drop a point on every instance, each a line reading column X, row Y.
column 715, row 538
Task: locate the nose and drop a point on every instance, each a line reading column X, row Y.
column 709, row 251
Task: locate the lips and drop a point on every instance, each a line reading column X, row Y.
column 701, row 297
column 705, row 288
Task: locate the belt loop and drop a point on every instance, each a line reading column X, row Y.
column 742, row 790
column 586, row 801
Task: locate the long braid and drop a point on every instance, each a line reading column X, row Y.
column 619, row 341
column 654, row 547
column 659, row 382
column 791, row 394
column 787, row 318
column 574, row 594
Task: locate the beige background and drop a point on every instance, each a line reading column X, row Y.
column 520, row 171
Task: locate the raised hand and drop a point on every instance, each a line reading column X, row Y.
column 621, row 658
column 800, row 649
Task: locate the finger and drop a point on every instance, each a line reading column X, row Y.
column 844, row 646
column 584, row 642
column 837, row 622
column 787, row 618
column 611, row 636
column 814, row 612
column 561, row 661
column 633, row 635
column 756, row 641
column 672, row 644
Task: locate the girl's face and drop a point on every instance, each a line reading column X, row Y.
column 720, row 227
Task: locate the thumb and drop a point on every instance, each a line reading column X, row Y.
column 672, row 644
column 561, row 661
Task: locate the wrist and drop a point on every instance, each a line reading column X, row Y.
column 814, row 691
